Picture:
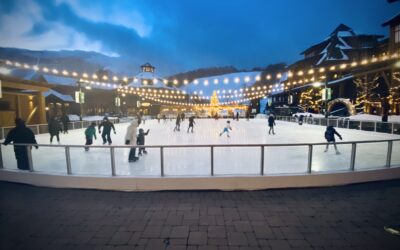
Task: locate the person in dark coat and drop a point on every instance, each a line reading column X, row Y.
column 65, row 121
column 54, row 129
column 330, row 137
column 301, row 118
column 182, row 117
column 237, row 116
column 178, row 123
column 191, row 123
column 21, row 134
column 141, row 139
column 271, row 124
column 107, row 126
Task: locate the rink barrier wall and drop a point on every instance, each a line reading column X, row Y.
column 366, row 125
column 224, row 182
column 43, row 128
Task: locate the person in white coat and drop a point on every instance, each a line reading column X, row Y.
column 130, row 139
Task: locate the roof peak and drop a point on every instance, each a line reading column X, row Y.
column 343, row 28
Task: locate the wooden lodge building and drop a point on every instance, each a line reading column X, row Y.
column 369, row 89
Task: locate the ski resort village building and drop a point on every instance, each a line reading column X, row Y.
column 331, row 67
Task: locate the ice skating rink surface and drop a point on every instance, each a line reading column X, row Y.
column 195, row 161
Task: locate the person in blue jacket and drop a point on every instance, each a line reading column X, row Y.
column 330, row 138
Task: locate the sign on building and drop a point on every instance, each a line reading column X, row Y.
column 117, row 101
column 326, row 94
column 79, row 97
column 290, row 99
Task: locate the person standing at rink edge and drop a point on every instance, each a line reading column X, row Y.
column 21, row 134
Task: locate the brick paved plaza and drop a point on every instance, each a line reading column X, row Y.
column 348, row 217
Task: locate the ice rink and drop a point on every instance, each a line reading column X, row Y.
column 195, row 161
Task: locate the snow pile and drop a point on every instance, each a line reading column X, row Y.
column 89, row 118
column 306, row 114
column 378, row 118
column 261, row 116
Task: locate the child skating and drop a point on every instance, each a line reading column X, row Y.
column 140, row 141
column 226, row 129
column 90, row 132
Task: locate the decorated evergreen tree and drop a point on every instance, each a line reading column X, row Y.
column 366, row 91
column 311, row 99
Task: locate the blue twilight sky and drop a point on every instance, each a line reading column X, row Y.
column 180, row 35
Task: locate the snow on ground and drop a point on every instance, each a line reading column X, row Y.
column 306, row 114
column 195, row 161
column 89, row 118
column 358, row 117
column 378, row 118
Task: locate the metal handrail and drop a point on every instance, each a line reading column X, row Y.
column 212, row 147
column 205, row 145
column 390, row 126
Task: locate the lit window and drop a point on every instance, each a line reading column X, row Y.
column 397, row 33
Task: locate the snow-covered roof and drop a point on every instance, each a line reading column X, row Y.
column 394, row 19
column 65, row 98
column 60, row 80
column 148, row 80
column 234, row 81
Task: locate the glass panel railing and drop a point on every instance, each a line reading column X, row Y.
column 384, row 127
column 323, row 122
column 96, row 161
column 43, row 128
column 396, row 128
column 48, row 159
column 191, row 161
column 371, row 155
column 147, row 164
column 9, row 161
column 237, row 160
column 367, row 126
column 332, row 122
column 395, row 161
column 285, row 160
column 343, row 123
column 354, row 124
column 330, row 161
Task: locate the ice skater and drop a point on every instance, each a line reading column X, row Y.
column 65, row 121
column 140, row 141
column 237, row 116
column 301, row 118
column 130, row 139
column 178, row 123
column 90, row 132
column 226, row 129
column 271, row 124
column 330, row 137
column 191, row 123
column 54, row 129
column 107, row 126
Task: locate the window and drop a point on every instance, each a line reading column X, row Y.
column 397, row 33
